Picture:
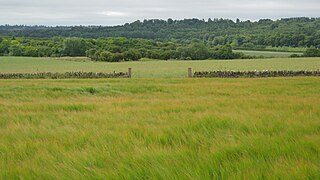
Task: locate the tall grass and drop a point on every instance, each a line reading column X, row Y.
column 160, row 129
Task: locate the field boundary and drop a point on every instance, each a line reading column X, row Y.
column 65, row 75
column 197, row 74
column 252, row 74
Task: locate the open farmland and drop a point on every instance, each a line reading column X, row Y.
column 153, row 68
column 160, row 128
column 107, row 90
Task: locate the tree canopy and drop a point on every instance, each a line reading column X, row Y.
column 292, row 32
column 113, row 49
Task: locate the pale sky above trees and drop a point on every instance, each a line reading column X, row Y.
column 113, row 12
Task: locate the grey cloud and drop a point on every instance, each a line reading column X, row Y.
column 112, row 12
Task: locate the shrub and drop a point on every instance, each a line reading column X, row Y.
column 312, row 52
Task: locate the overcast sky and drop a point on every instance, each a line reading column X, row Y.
column 114, row 12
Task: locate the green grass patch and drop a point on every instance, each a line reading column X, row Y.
column 160, row 128
column 151, row 69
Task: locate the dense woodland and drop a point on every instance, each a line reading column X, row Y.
column 162, row 39
column 291, row 32
column 113, row 49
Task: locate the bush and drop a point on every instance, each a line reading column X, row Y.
column 15, row 50
column 312, row 52
column 295, row 55
column 74, row 47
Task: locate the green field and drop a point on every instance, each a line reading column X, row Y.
column 159, row 128
column 150, row 69
column 168, row 127
column 268, row 54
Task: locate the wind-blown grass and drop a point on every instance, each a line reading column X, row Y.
column 160, row 128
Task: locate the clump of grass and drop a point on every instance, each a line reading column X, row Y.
column 71, row 107
column 90, row 90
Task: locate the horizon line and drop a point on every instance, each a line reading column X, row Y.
column 148, row 19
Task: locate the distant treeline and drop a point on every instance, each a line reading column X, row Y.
column 289, row 32
column 114, row 49
column 121, row 49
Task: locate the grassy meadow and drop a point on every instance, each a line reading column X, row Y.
column 159, row 128
column 153, row 68
column 159, row 125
